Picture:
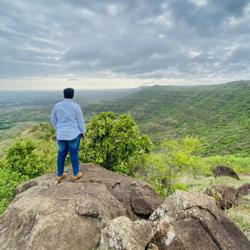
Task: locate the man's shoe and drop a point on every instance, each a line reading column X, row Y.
column 76, row 177
column 59, row 178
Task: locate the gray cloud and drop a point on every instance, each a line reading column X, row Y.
column 143, row 39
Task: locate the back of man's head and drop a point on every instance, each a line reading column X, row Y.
column 68, row 93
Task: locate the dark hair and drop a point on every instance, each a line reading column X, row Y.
column 68, row 93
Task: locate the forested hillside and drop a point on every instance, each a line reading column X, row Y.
column 220, row 114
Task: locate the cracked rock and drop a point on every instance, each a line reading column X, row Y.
column 70, row 215
column 122, row 233
column 191, row 221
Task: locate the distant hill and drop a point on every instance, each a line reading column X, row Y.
column 219, row 113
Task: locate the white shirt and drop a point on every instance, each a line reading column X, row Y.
column 67, row 119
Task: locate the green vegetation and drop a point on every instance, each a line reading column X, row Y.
column 175, row 157
column 30, row 155
column 9, row 180
column 203, row 182
column 193, row 130
column 114, row 142
column 218, row 114
column 241, row 216
column 18, row 108
column 23, row 158
column 240, row 164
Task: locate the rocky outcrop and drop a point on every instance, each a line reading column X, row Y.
column 225, row 171
column 122, row 233
column 185, row 221
column 107, row 211
column 192, row 221
column 227, row 196
column 244, row 189
column 71, row 215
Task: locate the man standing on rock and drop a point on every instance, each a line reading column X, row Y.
column 67, row 119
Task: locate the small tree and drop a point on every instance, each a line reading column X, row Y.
column 175, row 157
column 9, row 180
column 114, row 142
column 23, row 158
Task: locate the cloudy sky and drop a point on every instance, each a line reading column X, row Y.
column 48, row 44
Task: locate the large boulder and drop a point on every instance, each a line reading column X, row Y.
column 185, row 221
column 225, row 171
column 244, row 189
column 191, row 221
column 107, row 211
column 71, row 215
column 122, row 233
column 227, row 196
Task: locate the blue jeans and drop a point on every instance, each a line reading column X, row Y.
column 73, row 148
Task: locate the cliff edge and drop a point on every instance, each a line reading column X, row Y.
column 104, row 210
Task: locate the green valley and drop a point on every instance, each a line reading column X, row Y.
column 218, row 114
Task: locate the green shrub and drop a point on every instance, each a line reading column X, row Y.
column 41, row 131
column 23, row 158
column 48, row 150
column 8, row 182
column 114, row 142
column 181, row 186
column 175, row 157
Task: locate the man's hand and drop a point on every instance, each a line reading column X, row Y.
column 83, row 136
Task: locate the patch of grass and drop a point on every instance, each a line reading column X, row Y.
column 240, row 164
column 200, row 183
column 241, row 216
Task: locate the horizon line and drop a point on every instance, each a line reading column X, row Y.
column 128, row 88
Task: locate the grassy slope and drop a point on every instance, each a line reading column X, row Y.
column 220, row 114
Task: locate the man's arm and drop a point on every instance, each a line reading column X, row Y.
column 53, row 118
column 80, row 121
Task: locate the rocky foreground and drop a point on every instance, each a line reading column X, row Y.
column 104, row 210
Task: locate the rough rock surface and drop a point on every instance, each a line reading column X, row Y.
column 122, row 233
column 225, row 171
column 191, row 221
column 227, row 196
column 244, row 189
column 107, row 211
column 71, row 215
